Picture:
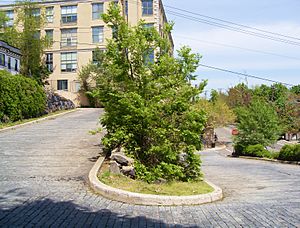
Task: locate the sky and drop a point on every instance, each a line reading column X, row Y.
column 280, row 16
column 281, row 62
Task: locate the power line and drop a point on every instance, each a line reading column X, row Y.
column 236, row 47
column 243, row 74
column 195, row 19
column 232, row 23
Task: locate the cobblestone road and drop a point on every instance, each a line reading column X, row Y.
column 43, row 170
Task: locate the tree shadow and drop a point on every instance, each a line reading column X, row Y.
column 46, row 213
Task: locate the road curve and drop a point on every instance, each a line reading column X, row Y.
column 43, row 170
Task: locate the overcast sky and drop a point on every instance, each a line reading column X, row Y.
column 280, row 16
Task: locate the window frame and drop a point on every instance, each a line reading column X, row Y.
column 50, row 14
column 70, row 14
column 97, row 13
column 60, row 84
column 49, row 62
column 2, row 59
column 98, row 37
column 51, row 32
column 147, row 8
column 68, row 37
column 67, row 62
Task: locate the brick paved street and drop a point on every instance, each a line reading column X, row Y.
column 43, row 170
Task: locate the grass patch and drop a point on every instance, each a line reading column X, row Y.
column 171, row 188
column 11, row 124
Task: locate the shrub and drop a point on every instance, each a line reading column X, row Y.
column 290, row 153
column 20, row 97
column 257, row 150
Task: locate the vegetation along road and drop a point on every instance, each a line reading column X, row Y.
column 43, row 170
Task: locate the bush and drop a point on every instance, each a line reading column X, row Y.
column 20, row 97
column 290, row 153
column 257, row 150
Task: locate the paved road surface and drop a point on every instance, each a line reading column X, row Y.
column 43, row 170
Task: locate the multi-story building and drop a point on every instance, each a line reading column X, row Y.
column 9, row 58
column 76, row 28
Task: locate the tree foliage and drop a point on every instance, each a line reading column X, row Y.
column 25, row 35
column 150, row 105
column 217, row 111
column 257, row 124
column 20, row 97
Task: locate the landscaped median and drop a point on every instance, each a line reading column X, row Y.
column 148, row 199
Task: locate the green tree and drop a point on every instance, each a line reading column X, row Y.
column 239, row 95
column 31, row 19
column 295, row 89
column 258, row 124
column 150, row 105
column 218, row 113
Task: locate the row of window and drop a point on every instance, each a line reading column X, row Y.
column 64, row 84
column 69, row 36
column 68, row 60
column 69, row 13
column 11, row 64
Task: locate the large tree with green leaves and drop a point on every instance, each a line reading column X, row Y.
column 258, row 123
column 150, row 104
column 25, row 35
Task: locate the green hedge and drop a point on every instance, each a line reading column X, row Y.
column 290, row 153
column 20, row 97
column 254, row 151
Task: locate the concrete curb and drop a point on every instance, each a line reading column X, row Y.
column 147, row 199
column 37, row 121
column 214, row 149
column 269, row 160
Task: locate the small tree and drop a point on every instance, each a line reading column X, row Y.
column 258, row 124
column 29, row 40
column 149, row 102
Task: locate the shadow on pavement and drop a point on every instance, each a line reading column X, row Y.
column 46, row 213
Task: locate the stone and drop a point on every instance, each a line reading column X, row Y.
column 114, row 167
column 160, row 181
column 128, row 171
column 122, row 159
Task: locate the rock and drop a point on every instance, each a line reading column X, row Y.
column 128, row 171
column 160, row 181
column 114, row 167
column 118, row 150
column 122, row 159
column 56, row 102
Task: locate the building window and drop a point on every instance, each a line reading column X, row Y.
column 148, row 25
column 77, row 87
column 126, row 8
column 149, row 56
column 49, row 61
column 2, row 59
column 68, row 37
column 69, row 14
column 9, row 63
column 97, row 10
column 49, row 14
column 10, row 17
column 62, row 84
column 37, row 35
column 36, row 12
column 147, row 7
column 16, row 65
column 49, row 34
column 97, row 55
column 69, row 62
column 98, row 34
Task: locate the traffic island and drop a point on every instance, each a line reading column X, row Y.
column 148, row 199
